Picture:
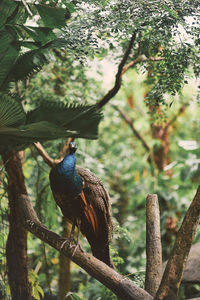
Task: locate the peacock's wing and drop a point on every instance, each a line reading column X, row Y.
column 97, row 197
column 98, row 202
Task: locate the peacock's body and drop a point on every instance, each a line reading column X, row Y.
column 84, row 202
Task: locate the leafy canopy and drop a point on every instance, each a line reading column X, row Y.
column 24, row 49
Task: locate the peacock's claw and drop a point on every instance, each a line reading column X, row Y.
column 63, row 244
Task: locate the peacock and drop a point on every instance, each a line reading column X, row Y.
column 84, row 202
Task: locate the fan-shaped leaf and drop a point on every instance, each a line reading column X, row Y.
column 28, row 63
column 83, row 119
column 32, row 61
column 11, row 112
column 48, row 122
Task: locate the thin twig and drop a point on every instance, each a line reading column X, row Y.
column 123, row 68
column 130, row 123
column 49, row 160
column 139, row 59
column 180, row 112
column 65, row 147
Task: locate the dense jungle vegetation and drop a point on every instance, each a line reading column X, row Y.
column 121, row 78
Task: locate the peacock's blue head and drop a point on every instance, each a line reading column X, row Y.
column 72, row 147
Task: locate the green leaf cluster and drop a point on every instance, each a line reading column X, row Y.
column 48, row 121
column 24, row 48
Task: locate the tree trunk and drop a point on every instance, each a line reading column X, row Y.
column 64, row 283
column 16, row 246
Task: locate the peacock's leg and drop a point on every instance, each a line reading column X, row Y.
column 71, row 237
column 77, row 244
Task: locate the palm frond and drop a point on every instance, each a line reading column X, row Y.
column 82, row 119
column 11, row 112
column 47, row 122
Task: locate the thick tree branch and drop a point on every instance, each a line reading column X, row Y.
column 118, row 76
column 176, row 264
column 123, row 68
column 48, row 160
column 121, row 286
column 153, row 246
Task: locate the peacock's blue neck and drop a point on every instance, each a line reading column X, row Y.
column 67, row 171
column 66, row 167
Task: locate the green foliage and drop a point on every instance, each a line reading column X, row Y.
column 11, row 112
column 15, row 63
column 98, row 30
column 36, row 289
column 46, row 122
column 73, row 296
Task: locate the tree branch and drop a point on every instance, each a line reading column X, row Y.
column 176, row 264
column 122, row 69
column 180, row 112
column 65, row 147
column 118, row 76
column 48, row 160
column 124, row 288
column 153, row 246
column 139, row 59
column 130, row 123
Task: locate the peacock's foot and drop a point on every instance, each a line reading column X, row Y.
column 71, row 244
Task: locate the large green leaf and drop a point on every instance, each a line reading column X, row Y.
column 37, row 34
column 6, row 10
column 47, row 122
column 11, row 112
column 20, row 14
column 28, row 63
column 8, row 54
column 82, row 119
column 14, row 63
column 53, row 16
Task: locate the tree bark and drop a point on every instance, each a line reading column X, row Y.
column 64, row 282
column 176, row 264
column 124, row 288
column 153, row 246
column 16, row 246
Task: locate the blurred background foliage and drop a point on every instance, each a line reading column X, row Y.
column 128, row 169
